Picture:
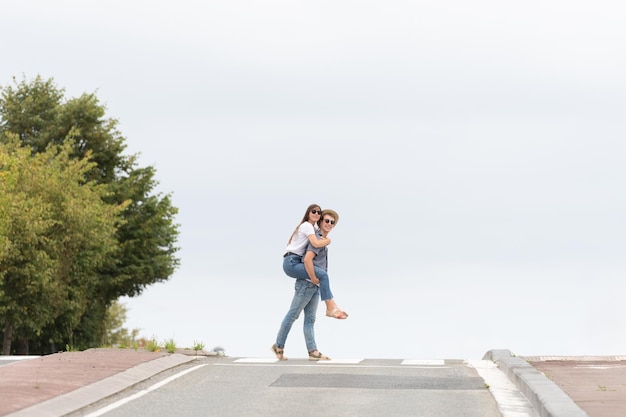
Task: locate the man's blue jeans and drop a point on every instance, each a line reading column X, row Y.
column 294, row 267
column 305, row 298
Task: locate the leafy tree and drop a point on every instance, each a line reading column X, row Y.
column 115, row 333
column 25, row 264
column 58, row 233
column 145, row 241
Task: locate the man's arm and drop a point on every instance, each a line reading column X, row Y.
column 308, row 266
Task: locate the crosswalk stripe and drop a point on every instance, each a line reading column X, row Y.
column 348, row 361
column 342, row 361
column 424, row 362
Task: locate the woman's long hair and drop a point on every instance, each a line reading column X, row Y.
column 305, row 218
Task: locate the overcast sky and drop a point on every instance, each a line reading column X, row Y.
column 475, row 152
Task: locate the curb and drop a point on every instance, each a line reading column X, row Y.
column 545, row 396
column 90, row 394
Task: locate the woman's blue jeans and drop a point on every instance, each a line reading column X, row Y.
column 294, row 267
column 305, row 298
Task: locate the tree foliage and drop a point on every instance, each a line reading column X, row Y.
column 80, row 222
column 58, row 233
column 116, row 334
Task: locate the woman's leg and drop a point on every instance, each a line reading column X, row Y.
column 294, row 268
column 325, row 292
column 332, row 310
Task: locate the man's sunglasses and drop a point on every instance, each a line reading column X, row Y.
column 329, row 221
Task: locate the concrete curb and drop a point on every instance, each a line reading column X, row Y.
column 545, row 396
column 90, row 394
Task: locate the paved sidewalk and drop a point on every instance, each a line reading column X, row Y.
column 31, row 382
column 561, row 386
column 596, row 384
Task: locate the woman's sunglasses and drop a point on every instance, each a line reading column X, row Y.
column 316, row 211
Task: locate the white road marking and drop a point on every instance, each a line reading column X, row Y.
column 272, row 360
column 17, row 357
column 340, row 361
column 511, row 402
column 424, row 362
column 348, row 361
column 141, row 393
column 310, row 364
column 256, row 360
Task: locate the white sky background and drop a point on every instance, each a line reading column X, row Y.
column 474, row 151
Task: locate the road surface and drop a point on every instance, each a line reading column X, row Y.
column 229, row 387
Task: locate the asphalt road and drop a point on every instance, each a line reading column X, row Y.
column 250, row 387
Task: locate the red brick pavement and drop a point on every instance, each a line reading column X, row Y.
column 32, row 381
column 595, row 384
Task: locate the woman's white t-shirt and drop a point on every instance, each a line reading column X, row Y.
column 300, row 239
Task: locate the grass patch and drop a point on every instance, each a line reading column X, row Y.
column 153, row 345
column 198, row 346
column 170, row 346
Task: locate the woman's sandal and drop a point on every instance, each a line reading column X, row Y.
column 336, row 313
column 319, row 356
column 279, row 352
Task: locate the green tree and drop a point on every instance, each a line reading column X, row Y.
column 145, row 242
column 115, row 333
column 58, row 231
column 25, row 265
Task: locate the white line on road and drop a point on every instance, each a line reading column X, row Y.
column 256, row 360
column 18, row 357
column 328, row 364
column 424, row 362
column 340, row 361
column 141, row 393
column 511, row 402
column 273, row 360
column 416, row 363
